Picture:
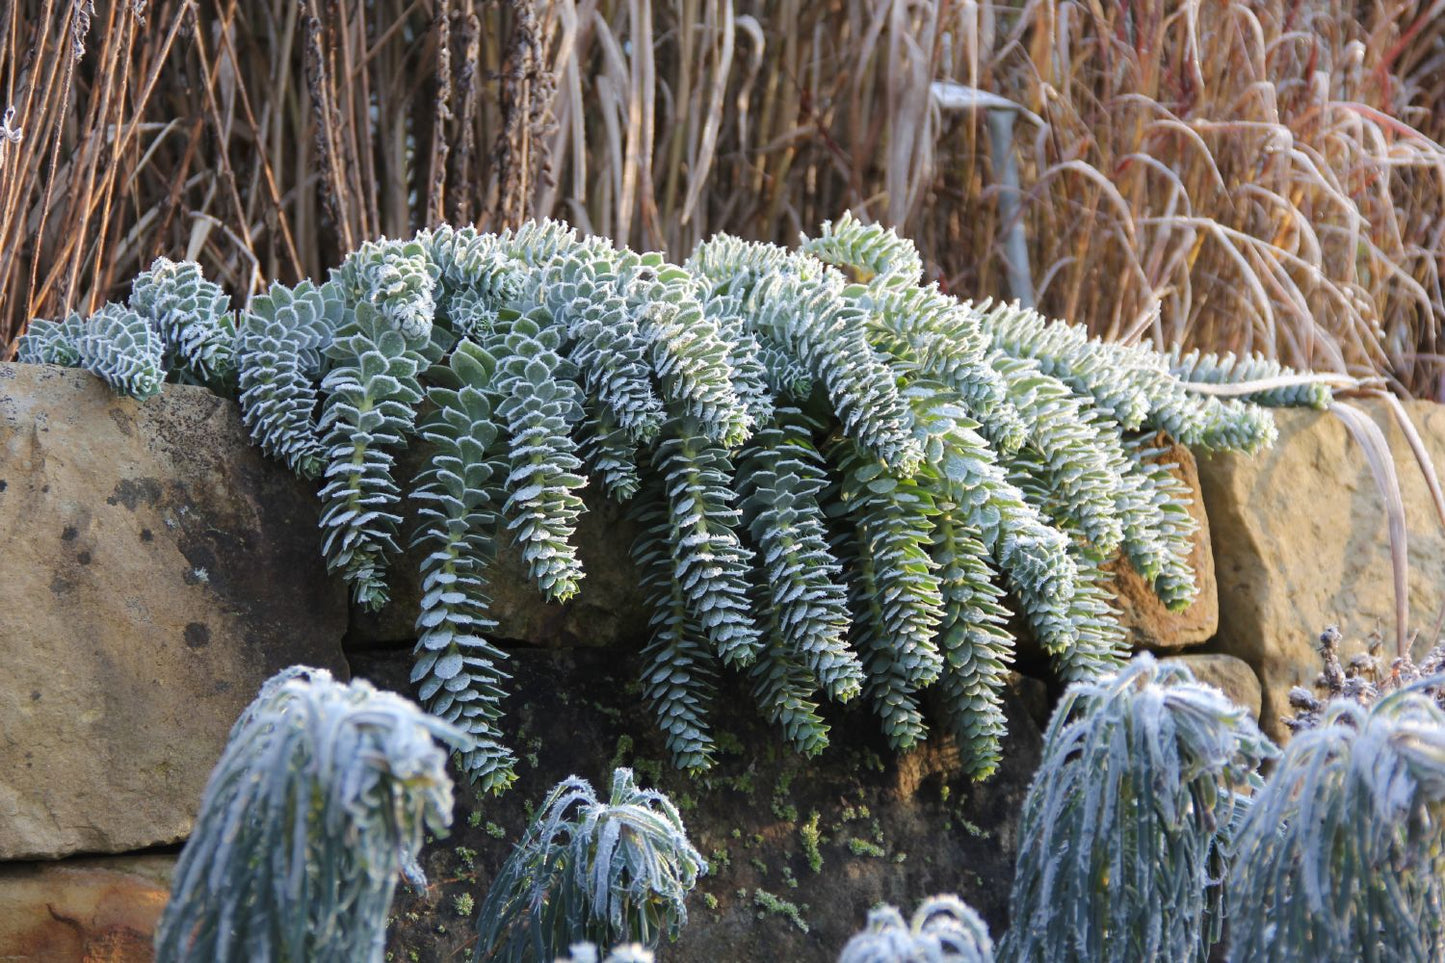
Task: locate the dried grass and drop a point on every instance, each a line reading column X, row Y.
column 1257, row 175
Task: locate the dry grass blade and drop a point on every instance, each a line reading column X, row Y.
column 1240, row 389
column 1259, row 175
column 1422, row 454
column 1372, row 442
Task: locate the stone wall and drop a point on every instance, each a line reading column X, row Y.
column 157, row 569
column 1301, row 541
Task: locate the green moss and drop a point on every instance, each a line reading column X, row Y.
column 622, row 752
column 777, row 906
column 743, row 783
column 651, row 768
column 863, row 847
column 812, row 837
column 464, row 905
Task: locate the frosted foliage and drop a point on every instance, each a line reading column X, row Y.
column 1341, row 857
column 1215, row 369
column 279, row 347
column 587, row 869
column 124, row 350
column 51, row 342
column 191, row 314
column 1121, row 830
column 944, row 929
column 322, row 797
column 588, row 953
column 845, row 479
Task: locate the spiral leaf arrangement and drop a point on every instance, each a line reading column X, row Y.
column 844, row 478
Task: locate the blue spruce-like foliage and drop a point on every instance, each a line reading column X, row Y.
column 124, row 350
column 845, row 478
column 192, row 315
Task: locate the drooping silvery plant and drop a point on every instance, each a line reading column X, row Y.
column 588, row 953
column 320, row 799
column 944, row 929
column 1341, row 856
column 1121, row 836
column 591, row 871
column 845, row 478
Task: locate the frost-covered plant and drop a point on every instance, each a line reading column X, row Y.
column 627, row 953
column 944, row 929
column 457, row 670
column 1202, row 368
column 1121, row 830
column 1341, row 856
column 176, row 326
column 124, row 350
column 594, row 871
column 51, row 342
column 1364, row 679
column 321, row 797
column 192, row 315
column 281, row 343
column 844, row 478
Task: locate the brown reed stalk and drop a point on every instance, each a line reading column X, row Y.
column 1258, row 175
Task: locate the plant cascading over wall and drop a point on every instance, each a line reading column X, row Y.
column 846, row 478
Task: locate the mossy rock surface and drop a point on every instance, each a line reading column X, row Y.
column 894, row 828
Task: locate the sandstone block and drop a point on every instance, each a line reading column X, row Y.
column 94, row 910
column 1229, row 675
column 1301, row 541
column 156, row 569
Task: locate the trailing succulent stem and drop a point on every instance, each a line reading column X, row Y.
column 371, row 398
column 457, row 670
column 845, row 477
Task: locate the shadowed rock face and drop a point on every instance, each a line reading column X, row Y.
column 894, row 828
column 156, row 569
